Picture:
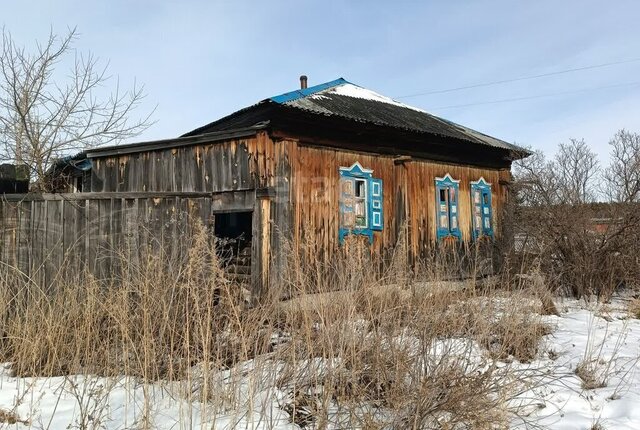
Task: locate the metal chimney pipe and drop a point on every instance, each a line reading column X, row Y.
column 303, row 82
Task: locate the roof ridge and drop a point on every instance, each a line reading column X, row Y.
column 298, row 94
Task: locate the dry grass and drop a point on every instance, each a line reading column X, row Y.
column 634, row 308
column 9, row 417
column 590, row 373
column 352, row 346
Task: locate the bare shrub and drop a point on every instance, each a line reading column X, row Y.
column 151, row 321
column 388, row 356
column 516, row 336
column 596, row 367
column 581, row 235
column 92, row 400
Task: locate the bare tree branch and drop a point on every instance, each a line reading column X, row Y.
column 623, row 174
column 43, row 118
column 587, row 235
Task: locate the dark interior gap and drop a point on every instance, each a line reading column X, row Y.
column 234, row 233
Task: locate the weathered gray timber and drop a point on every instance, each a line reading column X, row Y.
column 40, row 233
column 223, row 167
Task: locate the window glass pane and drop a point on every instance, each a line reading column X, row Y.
column 452, row 194
column 454, row 222
column 443, row 195
column 360, row 188
column 361, row 212
column 485, row 197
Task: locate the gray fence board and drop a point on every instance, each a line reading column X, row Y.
column 40, row 233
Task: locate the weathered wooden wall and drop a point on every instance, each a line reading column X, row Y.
column 38, row 233
column 290, row 186
column 247, row 164
column 239, row 164
column 303, row 185
column 409, row 195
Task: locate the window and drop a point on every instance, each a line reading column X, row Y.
column 360, row 202
column 360, row 199
column 482, row 214
column 447, row 207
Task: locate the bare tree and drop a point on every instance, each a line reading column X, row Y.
column 583, row 245
column 576, row 168
column 571, row 177
column 623, row 174
column 535, row 180
column 46, row 114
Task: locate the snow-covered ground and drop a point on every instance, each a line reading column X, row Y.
column 602, row 336
column 606, row 338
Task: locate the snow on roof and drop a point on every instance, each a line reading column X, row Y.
column 350, row 90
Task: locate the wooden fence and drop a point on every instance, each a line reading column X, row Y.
column 41, row 232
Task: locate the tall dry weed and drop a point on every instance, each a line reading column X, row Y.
column 356, row 342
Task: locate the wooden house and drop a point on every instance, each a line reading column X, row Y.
column 332, row 160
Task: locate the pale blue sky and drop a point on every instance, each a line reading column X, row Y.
column 201, row 60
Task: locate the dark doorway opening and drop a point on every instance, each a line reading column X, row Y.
column 233, row 231
column 233, row 225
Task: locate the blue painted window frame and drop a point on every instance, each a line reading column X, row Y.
column 481, row 209
column 373, row 202
column 447, row 213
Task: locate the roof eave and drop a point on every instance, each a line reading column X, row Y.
column 215, row 136
column 513, row 150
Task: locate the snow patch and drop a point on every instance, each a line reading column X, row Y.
column 350, row 90
column 605, row 335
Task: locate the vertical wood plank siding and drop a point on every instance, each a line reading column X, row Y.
column 408, row 193
column 225, row 166
column 303, row 181
column 306, row 182
column 39, row 235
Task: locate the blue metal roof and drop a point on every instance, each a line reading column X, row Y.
column 298, row 94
